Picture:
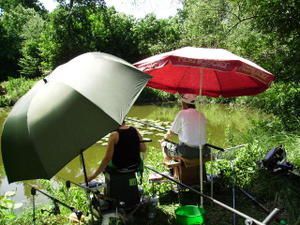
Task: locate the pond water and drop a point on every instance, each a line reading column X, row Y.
column 224, row 123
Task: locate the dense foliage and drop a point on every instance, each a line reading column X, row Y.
column 34, row 41
column 283, row 100
column 14, row 88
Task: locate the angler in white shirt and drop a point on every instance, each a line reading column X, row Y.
column 190, row 126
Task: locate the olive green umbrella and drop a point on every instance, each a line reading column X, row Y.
column 65, row 113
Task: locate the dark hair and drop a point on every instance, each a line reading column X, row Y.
column 191, row 106
column 188, row 106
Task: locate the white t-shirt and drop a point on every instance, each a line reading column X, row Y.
column 190, row 125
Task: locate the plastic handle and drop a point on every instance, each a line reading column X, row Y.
column 68, row 184
column 215, row 147
column 271, row 215
column 146, row 140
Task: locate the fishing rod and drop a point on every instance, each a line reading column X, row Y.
column 260, row 205
column 56, row 201
column 249, row 220
column 86, row 182
column 254, row 200
column 248, row 195
column 91, row 188
column 96, row 196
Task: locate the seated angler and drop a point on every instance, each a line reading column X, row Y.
column 123, row 150
column 190, row 127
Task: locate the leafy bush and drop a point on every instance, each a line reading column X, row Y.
column 261, row 138
column 14, row 88
column 7, row 206
column 274, row 190
column 283, row 100
column 74, row 197
column 150, row 95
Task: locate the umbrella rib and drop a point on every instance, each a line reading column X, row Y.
column 38, row 155
column 42, row 165
column 179, row 81
column 182, row 78
column 219, row 82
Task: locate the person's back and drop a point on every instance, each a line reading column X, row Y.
column 127, row 150
column 190, row 127
column 123, row 150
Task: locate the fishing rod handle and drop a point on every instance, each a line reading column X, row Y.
column 33, row 191
column 145, row 140
column 215, row 147
column 83, row 186
column 271, row 215
column 68, row 184
column 78, row 214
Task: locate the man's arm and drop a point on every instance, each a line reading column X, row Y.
column 176, row 126
column 113, row 139
column 169, row 135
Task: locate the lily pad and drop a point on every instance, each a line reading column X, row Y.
column 9, row 193
column 18, row 205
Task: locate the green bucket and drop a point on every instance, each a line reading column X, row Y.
column 189, row 215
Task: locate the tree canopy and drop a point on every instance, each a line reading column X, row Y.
column 34, row 41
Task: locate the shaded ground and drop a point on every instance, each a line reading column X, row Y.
column 279, row 191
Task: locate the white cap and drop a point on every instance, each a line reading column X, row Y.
column 189, row 98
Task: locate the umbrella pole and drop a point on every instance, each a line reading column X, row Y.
column 84, row 168
column 234, row 219
column 201, row 175
column 201, row 146
column 33, row 192
column 87, row 184
column 211, row 175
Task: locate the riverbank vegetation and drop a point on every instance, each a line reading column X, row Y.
column 33, row 42
column 256, row 131
column 273, row 190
